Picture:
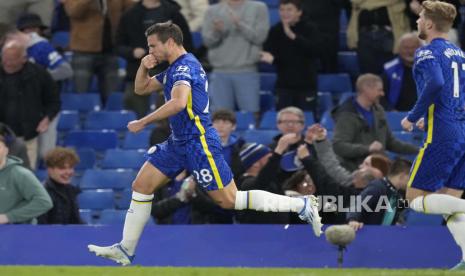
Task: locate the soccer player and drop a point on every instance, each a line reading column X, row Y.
column 437, row 178
column 194, row 145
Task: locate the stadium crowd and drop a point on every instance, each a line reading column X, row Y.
column 284, row 129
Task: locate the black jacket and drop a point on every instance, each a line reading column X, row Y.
column 131, row 32
column 37, row 97
column 295, row 60
column 65, row 205
column 374, row 190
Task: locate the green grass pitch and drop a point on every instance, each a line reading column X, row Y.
column 197, row 271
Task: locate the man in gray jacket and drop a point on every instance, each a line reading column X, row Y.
column 234, row 31
column 22, row 197
column 361, row 126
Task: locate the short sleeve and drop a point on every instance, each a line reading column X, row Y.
column 183, row 74
column 160, row 77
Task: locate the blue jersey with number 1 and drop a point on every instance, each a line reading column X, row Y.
column 439, row 73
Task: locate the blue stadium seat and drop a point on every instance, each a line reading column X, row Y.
column 267, row 81
column 325, row 102
column 87, row 158
column 86, row 215
column 115, row 101
column 68, row 120
column 327, row 121
column 111, row 216
column 347, row 62
column 107, row 179
column 123, row 199
column 415, row 219
column 60, row 40
column 264, row 67
column 123, row 159
column 197, row 39
column 273, row 14
column 268, row 120
column 140, row 140
column 260, row 136
column 117, row 120
column 271, row 3
column 98, row 140
column 309, row 119
column 267, row 101
column 80, row 102
column 343, row 41
column 394, row 118
column 245, row 120
column 345, row 96
column 96, row 199
column 334, row 83
column 41, row 174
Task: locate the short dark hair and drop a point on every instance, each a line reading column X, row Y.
column 296, row 3
column 59, row 156
column 165, row 31
column 399, row 166
column 294, row 180
column 225, row 115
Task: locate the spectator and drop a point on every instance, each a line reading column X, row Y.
column 93, row 28
column 261, row 166
column 11, row 10
column 374, row 166
column 224, row 121
column 132, row 43
column 16, row 147
column 194, row 12
column 384, row 192
column 30, row 100
column 361, row 127
column 40, row 51
column 374, row 28
column 325, row 14
column 60, row 163
column 22, row 198
column 234, row 31
column 401, row 90
column 294, row 45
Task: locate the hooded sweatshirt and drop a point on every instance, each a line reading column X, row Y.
column 22, row 197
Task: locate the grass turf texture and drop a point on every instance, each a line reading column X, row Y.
column 197, row 271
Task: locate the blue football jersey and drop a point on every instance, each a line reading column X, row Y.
column 41, row 52
column 439, row 73
column 194, row 120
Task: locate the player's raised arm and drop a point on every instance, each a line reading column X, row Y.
column 143, row 83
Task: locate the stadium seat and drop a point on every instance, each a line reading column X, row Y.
column 334, row 83
column 86, row 215
column 117, row 120
column 415, row 219
column 268, row 120
column 123, row 199
column 264, row 67
column 267, row 95
column 394, row 118
column 343, row 41
column 96, row 199
column 115, row 101
column 107, row 179
column 309, row 119
column 60, row 40
column 273, row 14
column 123, row 159
column 80, row 102
column 347, row 62
column 325, row 102
column 87, row 158
column 245, row 120
column 111, row 216
column 98, row 140
column 140, row 140
column 197, row 39
column 41, row 174
column 68, row 120
column 260, row 136
column 344, row 97
column 271, row 3
column 267, row 101
column 327, row 121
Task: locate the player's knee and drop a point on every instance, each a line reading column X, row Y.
column 141, row 187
